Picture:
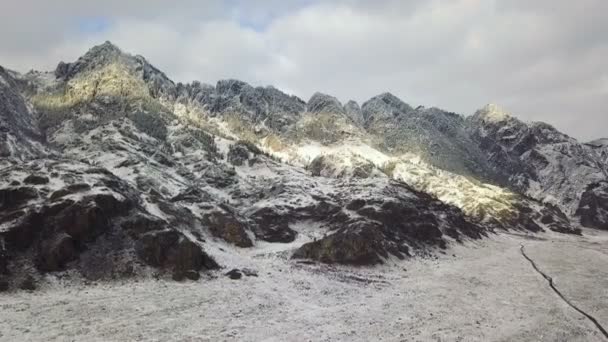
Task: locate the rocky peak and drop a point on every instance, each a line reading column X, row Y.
column 493, row 113
column 384, row 106
column 353, row 110
column 323, row 103
column 97, row 56
column 232, row 87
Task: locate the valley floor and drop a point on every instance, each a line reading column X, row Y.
column 480, row 291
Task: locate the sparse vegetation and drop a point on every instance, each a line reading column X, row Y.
column 150, row 124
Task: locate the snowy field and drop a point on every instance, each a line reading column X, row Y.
column 482, row 291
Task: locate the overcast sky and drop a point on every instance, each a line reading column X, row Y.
column 542, row 60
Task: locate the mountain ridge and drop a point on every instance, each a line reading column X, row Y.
column 188, row 167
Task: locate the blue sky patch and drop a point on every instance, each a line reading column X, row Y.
column 93, row 24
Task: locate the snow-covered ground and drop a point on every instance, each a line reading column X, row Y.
column 482, row 291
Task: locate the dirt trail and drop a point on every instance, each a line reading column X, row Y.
column 550, row 280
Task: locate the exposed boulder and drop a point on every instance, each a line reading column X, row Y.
column 11, row 198
column 193, row 275
column 141, row 223
column 347, row 246
column 24, row 230
column 170, row 249
column 272, row 226
column 192, row 195
column 55, row 252
column 28, row 283
column 179, row 275
column 36, row 179
column 153, row 247
column 69, row 190
column 234, row 274
column 220, row 175
column 238, row 154
column 82, row 221
column 227, row 227
column 188, row 255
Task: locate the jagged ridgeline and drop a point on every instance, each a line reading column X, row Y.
column 111, row 169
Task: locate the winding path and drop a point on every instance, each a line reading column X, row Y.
column 550, row 280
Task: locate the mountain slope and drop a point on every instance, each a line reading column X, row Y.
column 540, row 161
column 114, row 170
column 20, row 136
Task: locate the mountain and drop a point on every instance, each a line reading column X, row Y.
column 110, row 169
column 540, row 161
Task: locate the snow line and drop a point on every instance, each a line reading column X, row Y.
column 550, row 280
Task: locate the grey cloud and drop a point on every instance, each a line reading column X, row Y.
column 543, row 60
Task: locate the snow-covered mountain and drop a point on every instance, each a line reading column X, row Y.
column 540, row 161
column 110, row 169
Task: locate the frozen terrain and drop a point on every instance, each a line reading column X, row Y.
column 483, row 290
column 126, row 199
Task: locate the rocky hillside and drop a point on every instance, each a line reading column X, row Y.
column 110, row 169
column 540, row 161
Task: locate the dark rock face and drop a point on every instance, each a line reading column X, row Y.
column 171, row 250
column 238, row 154
column 36, row 179
column 56, row 252
column 69, row 190
column 28, row 284
column 556, row 220
column 191, row 195
column 593, row 207
column 82, row 221
column 227, row 227
column 219, row 175
column 272, row 226
column 140, row 224
column 24, row 231
column 14, row 197
column 345, row 247
column 391, row 222
column 97, row 230
column 3, row 262
column 19, row 132
column 153, row 247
